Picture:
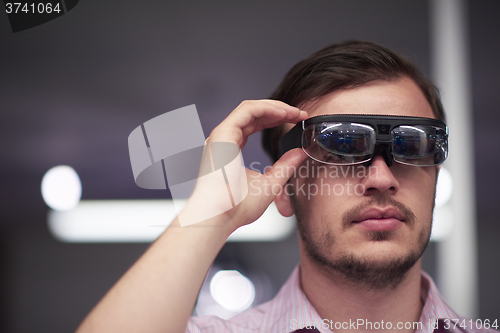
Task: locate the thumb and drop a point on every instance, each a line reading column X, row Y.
column 285, row 167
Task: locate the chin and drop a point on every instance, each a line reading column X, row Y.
column 384, row 248
column 376, row 271
column 383, row 257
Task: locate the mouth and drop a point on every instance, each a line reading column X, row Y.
column 376, row 219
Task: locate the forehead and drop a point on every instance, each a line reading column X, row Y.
column 401, row 97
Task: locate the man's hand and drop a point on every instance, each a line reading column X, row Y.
column 210, row 196
column 158, row 293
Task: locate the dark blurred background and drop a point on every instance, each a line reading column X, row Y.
column 73, row 89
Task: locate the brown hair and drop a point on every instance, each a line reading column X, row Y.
column 344, row 65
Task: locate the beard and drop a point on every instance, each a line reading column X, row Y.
column 367, row 274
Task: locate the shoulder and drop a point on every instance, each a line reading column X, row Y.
column 439, row 315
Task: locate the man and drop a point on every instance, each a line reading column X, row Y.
column 360, row 251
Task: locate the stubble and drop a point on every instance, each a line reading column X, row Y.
column 375, row 275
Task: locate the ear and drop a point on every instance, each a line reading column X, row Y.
column 283, row 202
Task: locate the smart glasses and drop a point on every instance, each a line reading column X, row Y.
column 355, row 139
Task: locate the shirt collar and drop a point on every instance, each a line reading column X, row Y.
column 435, row 307
column 291, row 310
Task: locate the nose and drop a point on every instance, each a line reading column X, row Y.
column 379, row 178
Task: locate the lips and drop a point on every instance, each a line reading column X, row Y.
column 375, row 219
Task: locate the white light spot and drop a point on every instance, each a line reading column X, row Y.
column 444, row 187
column 61, row 188
column 442, row 223
column 232, row 290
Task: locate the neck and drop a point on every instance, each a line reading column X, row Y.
column 340, row 301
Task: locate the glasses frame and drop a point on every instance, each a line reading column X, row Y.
column 383, row 126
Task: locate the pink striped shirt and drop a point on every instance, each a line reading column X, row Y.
column 290, row 310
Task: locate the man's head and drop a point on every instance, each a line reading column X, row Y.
column 340, row 66
column 371, row 238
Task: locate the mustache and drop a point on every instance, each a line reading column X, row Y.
column 378, row 200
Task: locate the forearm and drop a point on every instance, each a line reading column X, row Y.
column 158, row 293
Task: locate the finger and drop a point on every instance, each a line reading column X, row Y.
column 260, row 124
column 270, row 111
column 285, row 167
column 252, row 116
column 270, row 184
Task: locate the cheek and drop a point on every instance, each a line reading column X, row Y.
column 322, row 201
column 419, row 190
